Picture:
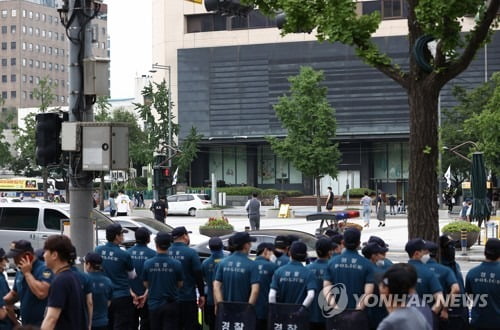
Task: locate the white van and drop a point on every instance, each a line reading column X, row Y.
column 35, row 222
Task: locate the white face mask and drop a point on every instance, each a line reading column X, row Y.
column 425, row 258
column 380, row 263
column 272, row 258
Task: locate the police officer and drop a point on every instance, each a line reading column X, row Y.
column 5, row 319
column 85, row 285
column 293, row 283
column 208, row 268
column 193, row 279
column 163, row 277
column 428, row 282
column 485, row 280
column 139, row 254
column 385, row 263
column 102, row 291
column 31, row 286
column 237, row 277
column 324, row 251
column 339, row 240
column 118, row 266
column 265, row 252
column 352, row 270
column 281, row 246
column 160, row 209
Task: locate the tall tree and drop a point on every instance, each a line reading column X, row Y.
column 311, row 125
column 43, row 93
column 442, row 20
column 24, row 162
column 103, row 107
column 189, row 151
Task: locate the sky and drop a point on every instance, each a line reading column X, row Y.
column 129, row 28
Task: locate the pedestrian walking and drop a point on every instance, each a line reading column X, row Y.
column 208, row 269
column 324, row 251
column 66, row 300
column 329, row 200
column 123, row 204
column 253, row 210
column 31, row 285
column 392, row 204
column 265, row 252
column 237, row 277
column 366, row 202
column 102, row 291
column 357, row 280
column 163, row 276
column 381, row 211
column 112, row 204
column 193, row 279
column 397, row 282
column 118, row 267
column 139, row 253
column 160, row 209
column 484, row 280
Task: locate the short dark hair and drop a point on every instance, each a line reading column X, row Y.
column 60, row 244
column 400, row 278
column 366, row 192
column 255, row 194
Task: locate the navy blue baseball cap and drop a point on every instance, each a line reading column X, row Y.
column 241, row 238
column 215, row 244
column 416, row 244
column 142, row 235
column 163, row 240
column 179, row 231
column 19, row 247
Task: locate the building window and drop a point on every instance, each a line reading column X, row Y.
column 13, row 45
column 4, row 45
column 63, row 99
column 30, row 63
column 205, row 22
column 5, row 13
column 37, row 48
column 4, row 29
column 25, row 94
column 13, row 29
column 4, row 78
column 50, row 66
column 30, row 14
column 44, row 65
column 24, row 78
column 49, row 34
column 37, row 16
column 37, row 64
column 49, row 50
column 56, row 36
column 13, row 13
column 62, row 51
column 43, row 49
column 23, row 62
column 23, row 46
column 23, row 29
column 13, row 94
column 4, row 95
column 30, row 47
column 4, row 62
column 43, row 33
column 50, row 19
column 30, row 31
column 56, row 51
column 43, row 18
column 31, row 95
column 37, row 80
column 13, row 78
column 37, row 32
column 392, row 8
column 24, row 12
column 13, row 61
column 56, row 67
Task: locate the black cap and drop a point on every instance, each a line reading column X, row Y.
column 337, row 238
column 179, row 231
column 19, row 247
column 324, row 245
column 264, row 245
column 241, row 238
column 2, row 254
column 298, row 251
column 93, row 258
column 378, row 240
column 331, row 232
column 142, row 235
column 114, row 229
column 281, row 242
column 352, row 237
column 163, row 240
column 492, row 246
column 445, row 240
column 371, row 249
column 413, row 245
column 215, row 244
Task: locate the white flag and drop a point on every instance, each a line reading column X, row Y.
column 174, row 180
column 447, row 176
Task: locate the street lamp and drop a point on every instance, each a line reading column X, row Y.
column 454, row 149
column 154, row 69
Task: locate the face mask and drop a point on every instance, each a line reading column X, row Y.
column 380, row 263
column 272, row 258
column 278, row 253
column 425, row 258
column 343, row 250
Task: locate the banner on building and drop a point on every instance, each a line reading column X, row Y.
column 18, row 184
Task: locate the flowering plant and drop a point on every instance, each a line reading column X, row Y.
column 218, row 223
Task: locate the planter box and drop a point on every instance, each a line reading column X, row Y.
column 201, row 213
column 472, row 238
column 272, row 213
column 214, row 232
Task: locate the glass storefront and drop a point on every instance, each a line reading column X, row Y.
column 229, row 164
column 275, row 170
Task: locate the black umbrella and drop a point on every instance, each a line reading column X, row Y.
column 480, row 207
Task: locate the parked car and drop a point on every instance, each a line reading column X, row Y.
column 264, row 235
column 154, row 226
column 21, row 200
column 187, row 203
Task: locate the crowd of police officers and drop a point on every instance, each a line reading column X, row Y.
column 141, row 288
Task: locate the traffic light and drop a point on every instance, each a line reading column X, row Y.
column 162, row 177
column 47, row 135
column 228, row 7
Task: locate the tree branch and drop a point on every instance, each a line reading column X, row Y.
column 478, row 35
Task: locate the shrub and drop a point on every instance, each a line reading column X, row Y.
column 457, row 226
column 218, row 223
column 239, row 191
column 358, row 192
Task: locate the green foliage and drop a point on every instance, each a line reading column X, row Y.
column 218, row 223
column 102, row 109
column 457, row 226
column 43, row 93
column 310, row 123
column 359, row 192
column 248, row 191
column 189, row 151
column 239, row 191
column 24, row 162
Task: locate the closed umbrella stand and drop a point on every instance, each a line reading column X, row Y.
column 480, row 208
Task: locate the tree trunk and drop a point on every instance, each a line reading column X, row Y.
column 422, row 208
column 318, row 196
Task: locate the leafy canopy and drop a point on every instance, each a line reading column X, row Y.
column 310, row 122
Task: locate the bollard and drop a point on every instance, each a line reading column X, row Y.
column 463, row 241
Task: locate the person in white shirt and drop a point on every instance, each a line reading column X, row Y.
column 123, row 204
column 366, row 201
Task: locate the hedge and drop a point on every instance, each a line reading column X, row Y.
column 457, row 226
column 358, row 192
column 248, row 191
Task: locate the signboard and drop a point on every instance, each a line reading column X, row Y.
column 235, row 316
column 18, row 184
column 466, row 185
column 288, row 316
column 284, row 211
column 196, row 1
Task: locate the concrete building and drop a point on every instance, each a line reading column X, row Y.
column 227, row 72
column 34, row 45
